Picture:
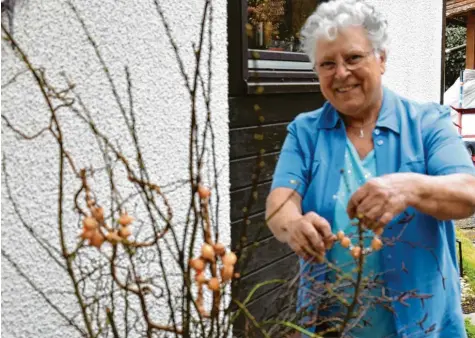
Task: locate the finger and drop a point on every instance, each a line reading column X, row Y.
column 386, row 218
column 312, row 238
column 322, row 226
column 298, row 249
column 372, row 216
column 369, row 203
column 356, row 199
column 378, row 230
column 317, row 256
column 305, row 247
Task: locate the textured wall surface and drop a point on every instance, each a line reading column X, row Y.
column 415, row 29
column 131, row 34
column 127, row 33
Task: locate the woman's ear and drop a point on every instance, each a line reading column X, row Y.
column 382, row 61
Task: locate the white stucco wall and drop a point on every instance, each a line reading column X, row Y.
column 415, row 28
column 128, row 33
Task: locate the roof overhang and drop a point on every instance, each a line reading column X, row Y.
column 457, row 8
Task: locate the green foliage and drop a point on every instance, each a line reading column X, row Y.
column 470, row 328
column 468, row 259
column 455, row 61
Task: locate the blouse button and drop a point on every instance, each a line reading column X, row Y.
column 377, row 131
column 380, row 142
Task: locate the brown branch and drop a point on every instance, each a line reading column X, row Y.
column 62, row 155
column 23, row 135
column 156, row 189
column 151, row 325
column 14, row 78
column 173, row 44
column 105, row 69
column 43, row 295
column 121, row 285
column 48, row 247
column 208, row 239
column 110, row 317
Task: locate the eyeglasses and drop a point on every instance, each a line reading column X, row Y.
column 352, row 62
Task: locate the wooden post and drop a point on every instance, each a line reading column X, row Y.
column 443, row 57
column 470, row 61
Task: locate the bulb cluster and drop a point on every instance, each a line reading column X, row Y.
column 96, row 232
column 356, row 250
column 210, row 255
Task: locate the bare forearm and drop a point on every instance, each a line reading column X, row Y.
column 283, row 207
column 444, row 197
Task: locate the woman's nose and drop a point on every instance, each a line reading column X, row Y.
column 341, row 71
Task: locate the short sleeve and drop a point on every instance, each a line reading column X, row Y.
column 291, row 168
column 445, row 150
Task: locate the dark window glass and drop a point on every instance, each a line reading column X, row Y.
column 275, row 24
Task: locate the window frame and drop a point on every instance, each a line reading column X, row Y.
column 245, row 81
column 255, row 71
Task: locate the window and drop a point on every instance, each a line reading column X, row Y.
column 264, row 49
column 275, row 24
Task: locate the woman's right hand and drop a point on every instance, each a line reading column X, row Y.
column 309, row 236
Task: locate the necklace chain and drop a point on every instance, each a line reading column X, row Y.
column 361, row 132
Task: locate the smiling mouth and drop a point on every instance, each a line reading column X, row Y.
column 346, row 89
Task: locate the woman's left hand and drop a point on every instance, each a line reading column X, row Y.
column 381, row 199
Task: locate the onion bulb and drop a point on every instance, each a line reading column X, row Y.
column 98, row 213
column 203, row 192
column 227, row 272
column 376, row 244
column 356, row 252
column 90, row 223
column 96, row 239
column 345, row 242
column 213, row 284
column 207, row 252
column 125, row 219
column 219, row 248
column 230, row 258
column 200, row 277
column 87, row 234
column 113, row 237
column 198, row 264
column 125, row 232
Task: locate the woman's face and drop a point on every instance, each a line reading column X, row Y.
column 350, row 73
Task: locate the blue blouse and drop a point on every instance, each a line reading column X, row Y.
column 408, row 137
column 357, row 172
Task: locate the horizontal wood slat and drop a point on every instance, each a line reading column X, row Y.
column 255, row 257
column 279, row 87
column 263, row 257
column 457, row 3
column 255, row 231
column 250, row 141
column 258, row 54
column 286, row 269
column 281, row 76
column 242, row 170
column 240, row 198
column 459, row 8
column 274, row 108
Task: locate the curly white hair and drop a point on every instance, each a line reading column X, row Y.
column 329, row 17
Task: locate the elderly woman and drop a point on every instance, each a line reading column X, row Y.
column 372, row 155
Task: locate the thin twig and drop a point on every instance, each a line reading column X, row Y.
column 70, row 321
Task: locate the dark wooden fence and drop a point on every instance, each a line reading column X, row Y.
column 265, row 258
